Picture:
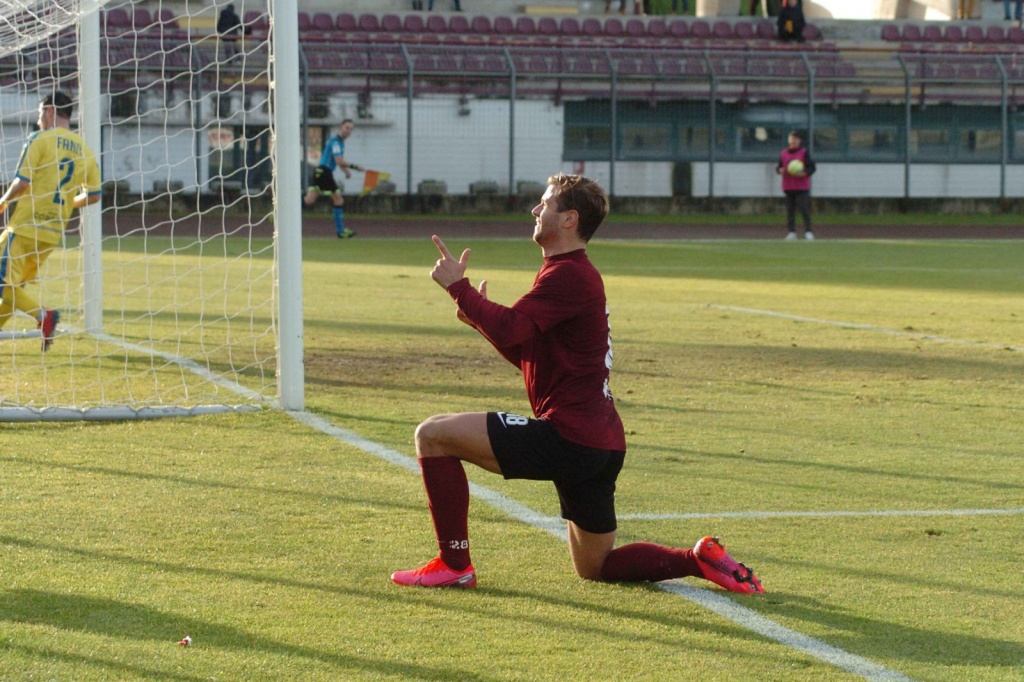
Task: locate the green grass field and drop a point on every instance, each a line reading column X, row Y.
column 845, row 415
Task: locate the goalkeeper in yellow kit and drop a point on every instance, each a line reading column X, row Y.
column 56, row 174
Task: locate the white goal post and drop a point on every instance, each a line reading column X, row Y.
column 181, row 292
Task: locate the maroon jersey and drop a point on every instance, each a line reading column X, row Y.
column 558, row 335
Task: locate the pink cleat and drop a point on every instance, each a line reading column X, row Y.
column 48, row 326
column 435, row 574
column 723, row 570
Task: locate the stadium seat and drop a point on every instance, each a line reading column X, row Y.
column 953, row 34
column 392, row 23
column 1015, row 34
column 932, row 34
column 912, row 33
column 413, row 23
column 891, row 32
column 700, row 29
column 323, row 22
column 635, row 28
column 657, row 28
column 481, row 26
column 974, row 34
column 459, row 24
column 766, row 30
column 570, row 26
column 679, row 29
column 722, row 30
column 613, row 28
column 503, row 26
column 346, row 22
column 117, row 20
column 811, row 32
column 592, row 27
column 547, row 26
column 995, row 34
column 367, row 22
column 525, row 26
column 744, row 30
column 141, row 19
column 437, row 25
column 305, row 22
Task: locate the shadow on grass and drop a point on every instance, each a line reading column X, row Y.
column 881, row 640
column 120, row 620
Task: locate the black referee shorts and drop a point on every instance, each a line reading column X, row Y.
column 584, row 477
column 324, row 179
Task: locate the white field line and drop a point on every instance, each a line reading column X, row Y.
column 865, row 327
column 711, row 600
column 819, row 514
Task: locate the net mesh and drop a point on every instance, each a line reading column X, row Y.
column 187, row 236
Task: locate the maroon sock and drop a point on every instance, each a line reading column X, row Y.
column 448, row 498
column 646, row 561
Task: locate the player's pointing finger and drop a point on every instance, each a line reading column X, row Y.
column 441, row 247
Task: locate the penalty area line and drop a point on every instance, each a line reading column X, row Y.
column 864, row 327
column 708, row 599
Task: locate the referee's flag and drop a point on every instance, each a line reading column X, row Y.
column 372, row 179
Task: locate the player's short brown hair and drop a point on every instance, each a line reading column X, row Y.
column 61, row 103
column 583, row 195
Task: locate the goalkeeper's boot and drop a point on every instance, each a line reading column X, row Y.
column 346, row 234
column 48, row 326
column 436, row 574
column 721, row 569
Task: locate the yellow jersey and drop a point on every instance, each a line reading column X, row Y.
column 57, row 164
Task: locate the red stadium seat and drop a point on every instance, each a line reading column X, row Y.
column 744, row 30
column 436, row 24
column 954, row 34
column 547, row 26
column 323, row 22
column 613, row 28
column 117, row 20
column 459, row 24
column 700, row 29
column 367, row 22
column 525, row 26
column 766, row 30
column 481, row 26
column 1015, row 34
column 345, row 22
column 570, row 27
column 811, row 32
column 657, row 28
column 995, row 34
column 392, row 23
column 722, row 30
column 679, row 29
column 305, row 22
column 141, row 19
column 592, row 27
column 413, row 23
column 932, row 33
column 912, row 33
column 974, row 34
column 891, row 32
column 635, row 28
column 504, row 26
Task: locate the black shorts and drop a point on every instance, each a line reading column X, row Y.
column 584, row 477
column 324, row 179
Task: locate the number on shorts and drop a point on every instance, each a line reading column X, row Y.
column 512, row 419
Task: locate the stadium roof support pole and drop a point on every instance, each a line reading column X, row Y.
column 89, row 125
column 613, row 138
column 712, row 124
column 810, row 102
column 410, row 90
column 906, row 127
column 304, row 72
column 511, row 123
column 1004, row 125
column 287, row 210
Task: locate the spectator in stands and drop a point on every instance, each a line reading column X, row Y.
column 966, row 10
column 1017, row 12
column 796, row 168
column 791, row 21
column 754, row 4
column 456, row 5
column 638, row 6
column 417, row 5
column 229, row 28
column 677, row 3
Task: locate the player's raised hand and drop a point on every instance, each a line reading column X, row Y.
column 447, row 271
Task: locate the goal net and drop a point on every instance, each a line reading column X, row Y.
column 167, row 290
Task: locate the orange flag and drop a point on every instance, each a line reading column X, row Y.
column 372, row 179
